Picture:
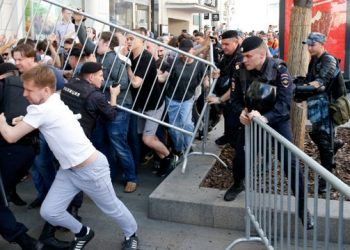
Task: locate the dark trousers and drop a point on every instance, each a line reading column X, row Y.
column 15, row 161
column 231, row 122
column 284, row 129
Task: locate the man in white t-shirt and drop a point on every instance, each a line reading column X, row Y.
column 82, row 167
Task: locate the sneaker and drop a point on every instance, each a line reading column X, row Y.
column 131, row 244
column 168, row 164
column 156, row 166
column 80, row 242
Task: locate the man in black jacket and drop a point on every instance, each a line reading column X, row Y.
column 274, row 111
column 227, row 66
column 13, row 167
column 322, row 72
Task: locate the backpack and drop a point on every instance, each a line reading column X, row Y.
column 340, row 110
column 339, row 104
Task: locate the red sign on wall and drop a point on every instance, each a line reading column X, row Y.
column 329, row 18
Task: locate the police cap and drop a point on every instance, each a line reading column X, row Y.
column 229, row 34
column 251, row 43
column 6, row 67
column 315, row 37
column 90, row 68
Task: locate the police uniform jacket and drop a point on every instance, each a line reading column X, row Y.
column 274, row 73
column 84, row 98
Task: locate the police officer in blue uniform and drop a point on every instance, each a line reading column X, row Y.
column 272, row 108
column 83, row 96
column 16, row 158
column 227, row 66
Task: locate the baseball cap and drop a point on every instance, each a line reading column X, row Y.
column 315, row 37
column 90, row 68
column 186, row 45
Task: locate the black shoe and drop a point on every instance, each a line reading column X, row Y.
column 309, row 220
column 200, row 135
column 80, row 242
column 28, row 243
column 221, row 141
column 131, row 244
column 53, row 243
column 35, row 204
column 322, row 186
column 156, row 166
column 15, row 199
column 47, row 237
column 338, row 144
column 233, row 191
column 167, row 165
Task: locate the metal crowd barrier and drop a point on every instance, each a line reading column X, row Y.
column 48, row 20
column 270, row 211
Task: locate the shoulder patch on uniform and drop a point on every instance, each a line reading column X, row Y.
column 285, row 83
column 285, row 79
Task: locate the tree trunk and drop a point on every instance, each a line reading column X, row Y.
column 298, row 60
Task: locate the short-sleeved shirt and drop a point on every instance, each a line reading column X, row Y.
column 184, row 80
column 147, row 70
column 61, row 130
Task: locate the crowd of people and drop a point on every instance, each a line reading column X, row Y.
column 76, row 133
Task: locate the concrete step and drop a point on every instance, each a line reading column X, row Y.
column 179, row 198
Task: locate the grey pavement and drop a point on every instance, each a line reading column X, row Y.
column 153, row 234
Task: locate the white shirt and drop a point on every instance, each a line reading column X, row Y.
column 61, row 130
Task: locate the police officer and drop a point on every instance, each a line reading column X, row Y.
column 83, row 96
column 12, row 167
column 227, row 66
column 322, row 72
column 273, row 109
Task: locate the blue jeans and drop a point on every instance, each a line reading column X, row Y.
column 101, row 142
column 43, row 169
column 118, row 136
column 182, row 112
column 134, row 140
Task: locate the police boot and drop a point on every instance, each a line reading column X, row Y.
column 309, row 223
column 326, row 151
column 47, row 237
column 15, row 198
column 338, row 144
column 28, row 243
column 314, row 137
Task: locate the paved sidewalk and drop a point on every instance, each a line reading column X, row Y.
column 153, row 234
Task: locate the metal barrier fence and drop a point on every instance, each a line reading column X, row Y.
column 269, row 202
column 47, row 14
